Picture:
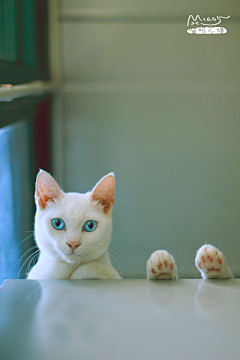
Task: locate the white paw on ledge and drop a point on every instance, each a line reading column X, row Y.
column 161, row 265
column 212, row 264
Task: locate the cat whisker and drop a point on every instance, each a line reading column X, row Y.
column 115, row 244
column 114, row 258
column 115, row 252
column 32, row 260
column 21, row 258
column 29, row 257
column 115, row 255
column 25, row 239
column 90, row 248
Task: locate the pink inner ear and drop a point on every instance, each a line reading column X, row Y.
column 46, row 189
column 104, row 192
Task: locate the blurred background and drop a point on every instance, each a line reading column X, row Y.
column 131, row 92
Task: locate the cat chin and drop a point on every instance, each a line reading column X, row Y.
column 71, row 258
column 68, row 261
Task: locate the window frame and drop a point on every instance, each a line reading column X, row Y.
column 19, row 71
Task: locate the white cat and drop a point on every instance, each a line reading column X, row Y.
column 73, row 232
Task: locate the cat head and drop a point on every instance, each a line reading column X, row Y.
column 71, row 226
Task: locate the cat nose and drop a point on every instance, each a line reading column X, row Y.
column 73, row 245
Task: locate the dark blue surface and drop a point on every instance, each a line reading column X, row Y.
column 16, row 198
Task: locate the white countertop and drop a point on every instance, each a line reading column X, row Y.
column 120, row 319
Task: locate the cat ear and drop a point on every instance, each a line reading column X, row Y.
column 46, row 189
column 103, row 192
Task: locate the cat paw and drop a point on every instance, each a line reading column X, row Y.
column 161, row 265
column 212, row 264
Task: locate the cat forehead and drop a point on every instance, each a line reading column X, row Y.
column 76, row 205
column 77, row 198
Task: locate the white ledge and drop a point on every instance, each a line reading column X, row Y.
column 116, row 14
column 164, row 13
column 9, row 92
column 122, row 86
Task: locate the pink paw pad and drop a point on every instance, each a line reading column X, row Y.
column 161, row 265
column 209, row 259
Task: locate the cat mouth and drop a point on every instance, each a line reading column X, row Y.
column 74, row 258
column 71, row 257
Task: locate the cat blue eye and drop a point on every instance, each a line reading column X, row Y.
column 90, row 225
column 58, row 224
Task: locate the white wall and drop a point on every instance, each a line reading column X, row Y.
column 158, row 106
